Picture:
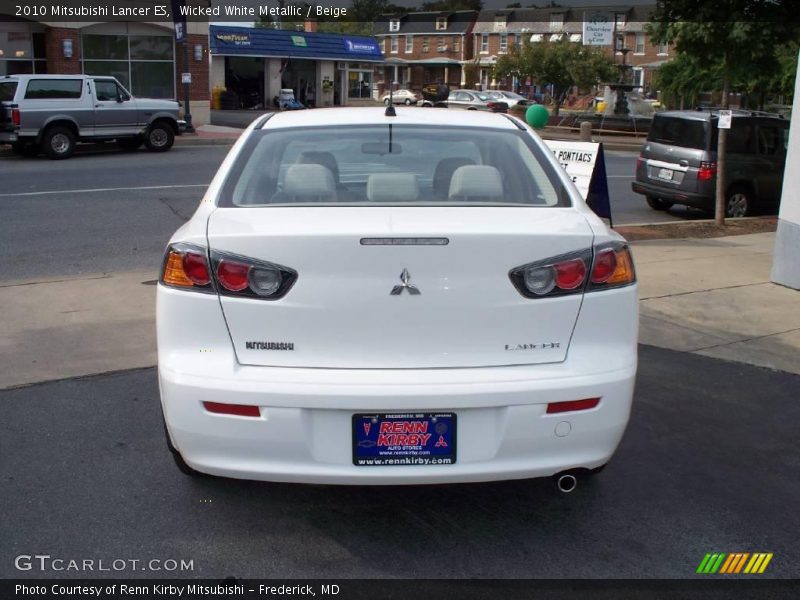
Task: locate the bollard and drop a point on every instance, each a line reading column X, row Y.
column 586, row 131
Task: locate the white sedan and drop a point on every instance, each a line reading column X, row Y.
column 363, row 298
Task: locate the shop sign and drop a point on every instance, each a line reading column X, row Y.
column 237, row 39
column 299, row 40
column 361, row 46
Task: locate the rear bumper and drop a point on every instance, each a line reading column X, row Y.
column 674, row 195
column 503, row 429
column 304, row 431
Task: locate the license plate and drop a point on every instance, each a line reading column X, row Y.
column 665, row 174
column 402, row 439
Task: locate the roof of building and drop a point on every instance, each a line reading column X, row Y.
column 459, row 22
column 257, row 41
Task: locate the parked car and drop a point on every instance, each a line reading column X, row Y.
column 372, row 299
column 52, row 113
column 678, row 162
column 472, row 100
column 402, row 97
column 510, row 98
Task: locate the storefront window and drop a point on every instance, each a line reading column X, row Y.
column 142, row 63
column 22, row 52
column 359, row 84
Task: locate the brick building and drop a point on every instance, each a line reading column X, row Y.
column 496, row 31
column 424, row 47
column 143, row 56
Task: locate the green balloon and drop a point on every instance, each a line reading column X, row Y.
column 537, row 116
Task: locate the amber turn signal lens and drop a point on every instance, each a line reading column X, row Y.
column 624, row 273
column 173, row 271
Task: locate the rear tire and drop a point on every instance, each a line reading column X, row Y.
column 130, row 144
column 58, row 143
column 738, row 202
column 179, row 462
column 658, row 203
column 159, row 137
column 408, row 102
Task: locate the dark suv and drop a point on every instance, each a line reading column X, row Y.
column 678, row 163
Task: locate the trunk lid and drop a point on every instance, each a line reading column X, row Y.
column 341, row 312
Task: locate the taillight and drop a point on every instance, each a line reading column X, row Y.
column 232, row 276
column 15, row 117
column 639, row 162
column 607, row 266
column 572, row 405
column 250, row 278
column 707, row 172
column 186, row 266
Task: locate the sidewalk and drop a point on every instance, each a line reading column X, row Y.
column 704, row 296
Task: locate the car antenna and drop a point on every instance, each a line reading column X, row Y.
column 390, row 111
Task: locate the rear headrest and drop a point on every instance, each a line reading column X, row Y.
column 326, row 159
column 476, row 181
column 392, row 187
column 444, row 173
column 310, row 181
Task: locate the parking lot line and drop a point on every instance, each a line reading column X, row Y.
column 96, row 190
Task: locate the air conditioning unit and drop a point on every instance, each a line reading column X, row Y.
column 442, row 48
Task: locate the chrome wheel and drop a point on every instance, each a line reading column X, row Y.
column 158, row 138
column 738, row 205
column 60, row 143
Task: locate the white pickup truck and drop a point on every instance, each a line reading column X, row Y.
column 52, row 113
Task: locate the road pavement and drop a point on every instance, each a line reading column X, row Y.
column 709, row 463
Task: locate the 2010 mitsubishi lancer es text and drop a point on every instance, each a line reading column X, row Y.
column 364, row 298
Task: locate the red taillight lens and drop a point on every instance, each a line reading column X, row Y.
column 707, row 172
column 639, row 162
column 604, row 265
column 195, row 267
column 15, row 117
column 570, row 274
column 572, row 405
column 186, row 266
column 232, row 275
column 240, row 410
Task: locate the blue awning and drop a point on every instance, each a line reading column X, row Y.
column 256, row 41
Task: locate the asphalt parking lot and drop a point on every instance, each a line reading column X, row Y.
column 710, row 463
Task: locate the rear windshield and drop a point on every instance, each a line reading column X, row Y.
column 675, row 131
column 7, row 90
column 46, row 89
column 401, row 164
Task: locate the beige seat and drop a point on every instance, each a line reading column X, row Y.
column 307, row 183
column 476, row 183
column 392, row 187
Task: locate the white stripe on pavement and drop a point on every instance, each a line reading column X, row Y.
column 97, row 190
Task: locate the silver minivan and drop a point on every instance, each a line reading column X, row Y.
column 678, row 162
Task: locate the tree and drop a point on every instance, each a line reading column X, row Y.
column 562, row 64
column 737, row 37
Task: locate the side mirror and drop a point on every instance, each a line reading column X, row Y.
column 120, row 99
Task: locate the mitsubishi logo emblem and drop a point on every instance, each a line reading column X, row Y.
column 405, row 278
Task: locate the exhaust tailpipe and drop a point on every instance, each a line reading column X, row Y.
column 566, row 483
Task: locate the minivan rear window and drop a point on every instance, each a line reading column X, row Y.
column 676, row 131
column 39, row 89
column 7, row 90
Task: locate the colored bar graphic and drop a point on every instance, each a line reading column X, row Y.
column 733, row 563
